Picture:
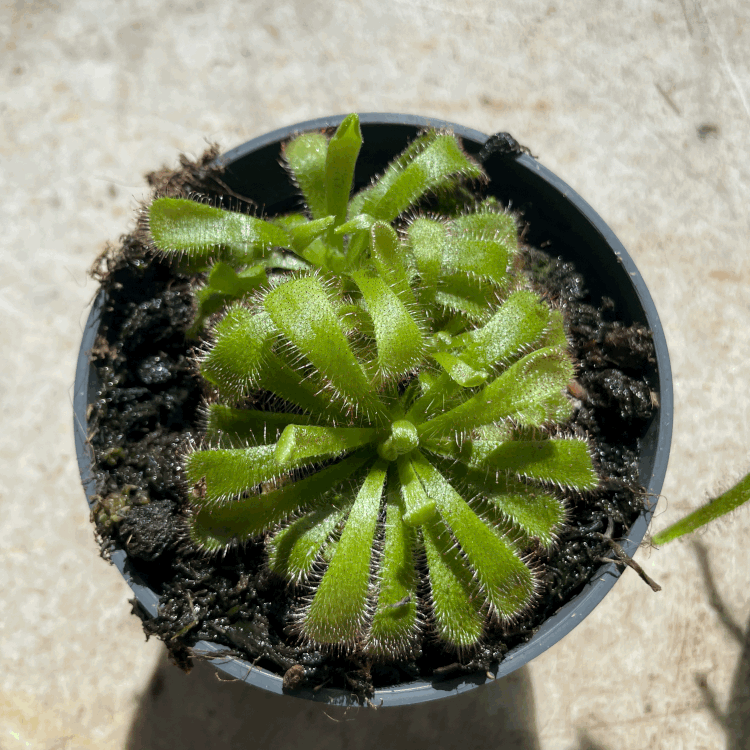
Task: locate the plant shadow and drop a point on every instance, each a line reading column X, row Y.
column 199, row 711
column 735, row 718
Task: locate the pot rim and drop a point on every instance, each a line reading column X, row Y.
column 554, row 628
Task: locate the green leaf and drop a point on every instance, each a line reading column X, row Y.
column 292, row 553
column 481, row 259
column 303, row 234
column 439, row 164
column 418, row 507
column 733, row 498
column 232, row 471
column 489, row 225
column 339, row 608
column 305, row 240
column 215, row 529
column 387, row 256
column 300, row 443
column 456, row 604
column 459, row 370
column 400, row 342
column 538, row 514
column 225, row 285
column 306, row 158
column 439, row 393
column 527, row 392
column 283, row 260
column 369, row 197
column 302, row 310
column 394, row 624
column 288, row 222
column 555, row 335
column 223, row 278
column 518, row 324
column 360, row 227
column 178, row 225
column 359, row 223
column 241, row 350
column 429, row 242
column 291, row 385
column 506, row 582
column 564, row 462
column 249, row 425
column 535, row 512
column 242, row 359
column 466, row 296
column 343, row 149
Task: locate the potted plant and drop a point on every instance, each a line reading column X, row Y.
column 388, row 414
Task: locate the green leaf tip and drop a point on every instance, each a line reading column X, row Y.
column 384, row 385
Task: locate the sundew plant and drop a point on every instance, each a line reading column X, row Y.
column 388, row 396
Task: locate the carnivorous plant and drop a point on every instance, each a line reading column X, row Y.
column 388, row 395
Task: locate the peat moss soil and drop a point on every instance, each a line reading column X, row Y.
column 148, row 409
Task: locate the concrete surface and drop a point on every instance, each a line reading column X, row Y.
column 642, row 106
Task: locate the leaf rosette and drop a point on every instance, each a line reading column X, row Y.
column 406, row 455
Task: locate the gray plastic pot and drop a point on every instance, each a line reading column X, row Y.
column 555, row 213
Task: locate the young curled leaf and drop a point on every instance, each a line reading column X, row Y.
column 343, row 149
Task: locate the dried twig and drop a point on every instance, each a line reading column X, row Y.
column 625, row 559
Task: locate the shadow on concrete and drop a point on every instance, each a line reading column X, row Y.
column 735, row 719
column 198, row 711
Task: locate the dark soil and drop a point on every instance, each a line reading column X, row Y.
column 147, row 410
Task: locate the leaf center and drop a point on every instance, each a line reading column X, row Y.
column 403, row 439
